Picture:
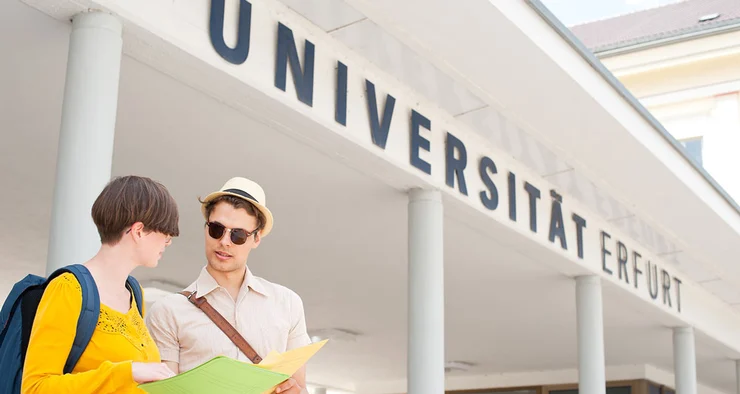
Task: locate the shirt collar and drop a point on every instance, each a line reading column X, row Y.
column 255, row 283
column 206, row 283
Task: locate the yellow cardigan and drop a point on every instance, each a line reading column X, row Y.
column 105, row 366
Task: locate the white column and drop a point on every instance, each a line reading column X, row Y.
column 591, row 369
column 86, row 135
column 684, row 360
column 426, row 339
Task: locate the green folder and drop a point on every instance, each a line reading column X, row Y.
column 221, row 375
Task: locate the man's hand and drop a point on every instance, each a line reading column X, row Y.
column 289, row 386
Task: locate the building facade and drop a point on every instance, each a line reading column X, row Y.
column 465, row 198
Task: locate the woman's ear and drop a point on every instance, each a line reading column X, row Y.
column 137, row 230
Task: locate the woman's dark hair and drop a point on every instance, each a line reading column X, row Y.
column 130, row 199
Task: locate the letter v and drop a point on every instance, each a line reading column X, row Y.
column 379, row 131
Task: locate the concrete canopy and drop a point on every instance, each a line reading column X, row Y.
column 340, row 236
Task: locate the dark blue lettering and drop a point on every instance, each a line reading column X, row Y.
column 666, row 279
column 534, row 195
column 512, row 196
column 652, row 278
column 340, row 111
column 678, row 293
column 418, row 142
column 288, row 53
column 557, row 227
column 622, row 258
column 486, row 165
column 239, row 53
column 379, row 131
column 636, row 272
column 605, row 252
column 580, row 225
column 456, row 166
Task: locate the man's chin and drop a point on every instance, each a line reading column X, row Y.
column 223, row 266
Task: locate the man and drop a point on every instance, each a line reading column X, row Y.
column 268, row 316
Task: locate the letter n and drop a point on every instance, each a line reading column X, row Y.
column 288, row 53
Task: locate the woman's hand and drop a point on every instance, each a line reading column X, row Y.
column 150, row 372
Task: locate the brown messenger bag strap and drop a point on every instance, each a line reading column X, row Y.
column 224, row 325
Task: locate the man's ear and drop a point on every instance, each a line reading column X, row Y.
column 257, row 238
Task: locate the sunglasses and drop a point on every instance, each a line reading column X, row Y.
column 238, row 235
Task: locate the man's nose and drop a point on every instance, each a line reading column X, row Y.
column 226, row 238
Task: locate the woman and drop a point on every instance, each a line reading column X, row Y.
column 136, row 219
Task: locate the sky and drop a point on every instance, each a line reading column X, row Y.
column 572, row 12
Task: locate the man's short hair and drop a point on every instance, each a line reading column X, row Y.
column 130, row 199
column 238, row 203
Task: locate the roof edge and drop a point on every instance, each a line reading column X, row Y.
column 640, row 45
column 596, row 64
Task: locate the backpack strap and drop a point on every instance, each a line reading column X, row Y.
column 135, row 290
column 90, row 310
column 88, row 314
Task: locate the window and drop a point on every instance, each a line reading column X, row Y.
column 609, row 390
column 694, row 148
column 612, row 387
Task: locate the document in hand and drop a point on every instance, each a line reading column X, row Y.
column 223, row 375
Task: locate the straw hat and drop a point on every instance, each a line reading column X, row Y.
column 246, row 190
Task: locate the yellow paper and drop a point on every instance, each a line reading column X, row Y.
column 291, row 361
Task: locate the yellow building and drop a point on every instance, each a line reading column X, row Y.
column 682, row 61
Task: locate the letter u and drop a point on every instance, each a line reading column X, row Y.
column 239, row 53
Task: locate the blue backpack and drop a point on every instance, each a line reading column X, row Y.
column 19, row 311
